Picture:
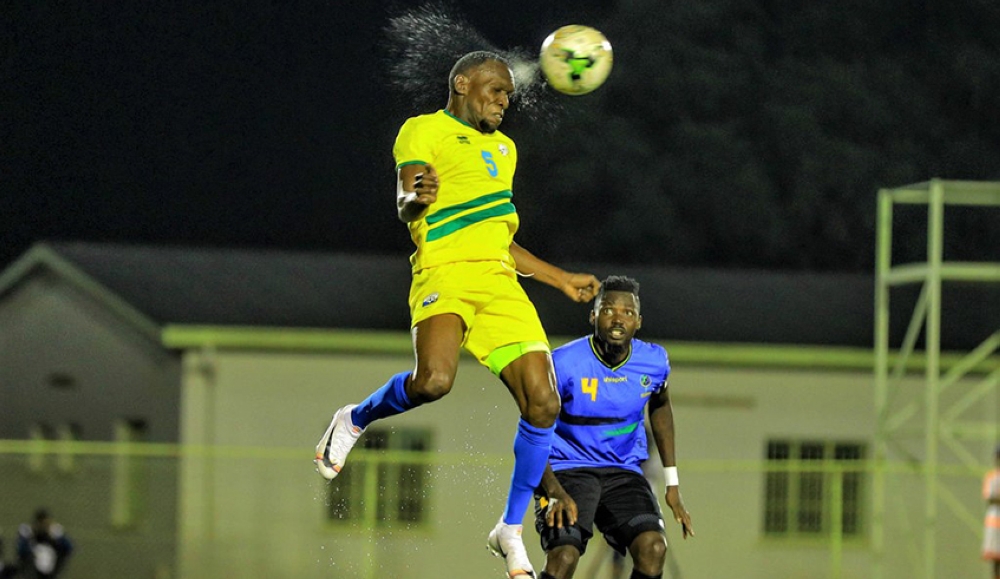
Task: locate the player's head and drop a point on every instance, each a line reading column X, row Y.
column 615, row 316
column 42, row 520
column 481, row 84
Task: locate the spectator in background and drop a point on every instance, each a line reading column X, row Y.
column 5, row 570
column 42, row 547
column 991, row 493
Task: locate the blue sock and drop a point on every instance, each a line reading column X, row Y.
column 389, row 400
column 531, row 453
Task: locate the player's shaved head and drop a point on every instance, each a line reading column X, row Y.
column 481, row 88
column 471, row 61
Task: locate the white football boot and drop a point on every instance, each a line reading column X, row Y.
column 337, row 442
column 505, row 541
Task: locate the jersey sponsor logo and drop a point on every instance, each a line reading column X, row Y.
column 615, row 379
column 462, row 139
column 430, row 299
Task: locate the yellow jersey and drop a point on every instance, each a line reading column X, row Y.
column 473, row 218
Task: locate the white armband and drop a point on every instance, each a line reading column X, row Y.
column 404, row 196
column 670, row 476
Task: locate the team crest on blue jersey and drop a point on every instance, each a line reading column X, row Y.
column 647, row 383
column 430, row 299
column 503, row 149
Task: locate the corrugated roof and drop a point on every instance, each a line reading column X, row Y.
column 272, row 288
column 248, row 287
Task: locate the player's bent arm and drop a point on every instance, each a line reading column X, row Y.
column 580, row 287
column 416, row 189
column 661, row 421
column 550, row 485
column 543, row 271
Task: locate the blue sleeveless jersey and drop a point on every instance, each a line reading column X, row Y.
column 602, row 421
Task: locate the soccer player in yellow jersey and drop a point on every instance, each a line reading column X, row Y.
column 454, row 180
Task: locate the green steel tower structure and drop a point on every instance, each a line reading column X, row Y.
column 938, row 421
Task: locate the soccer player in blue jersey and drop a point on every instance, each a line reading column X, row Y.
column 454, row 190
column 607, row 381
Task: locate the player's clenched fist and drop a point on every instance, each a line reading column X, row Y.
column 416, row 189
column 426, row 185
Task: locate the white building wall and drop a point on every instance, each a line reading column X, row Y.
column 260, row 513
column 108, row 372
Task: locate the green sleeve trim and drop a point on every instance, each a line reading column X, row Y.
column 405, row 163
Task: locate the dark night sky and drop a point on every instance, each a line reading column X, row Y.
column 259, row 124
column 251, row 124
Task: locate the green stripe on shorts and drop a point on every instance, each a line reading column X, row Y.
column 504, row 355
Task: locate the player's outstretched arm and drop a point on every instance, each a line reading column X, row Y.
column 580, row 287
column 661, row 421
column 416, row 189
column 560, row 508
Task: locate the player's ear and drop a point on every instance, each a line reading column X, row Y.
column 461, row 84
column 592, row 317
column 638, row 324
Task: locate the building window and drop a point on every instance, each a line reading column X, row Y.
column 128, row 474
column 401, row 487
column 799, row 502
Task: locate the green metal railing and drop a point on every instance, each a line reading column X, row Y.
column 832, row 538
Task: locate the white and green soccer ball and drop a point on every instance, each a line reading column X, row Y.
column 576, row 59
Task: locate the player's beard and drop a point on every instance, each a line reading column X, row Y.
column 610, row 351
column 614, row 350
